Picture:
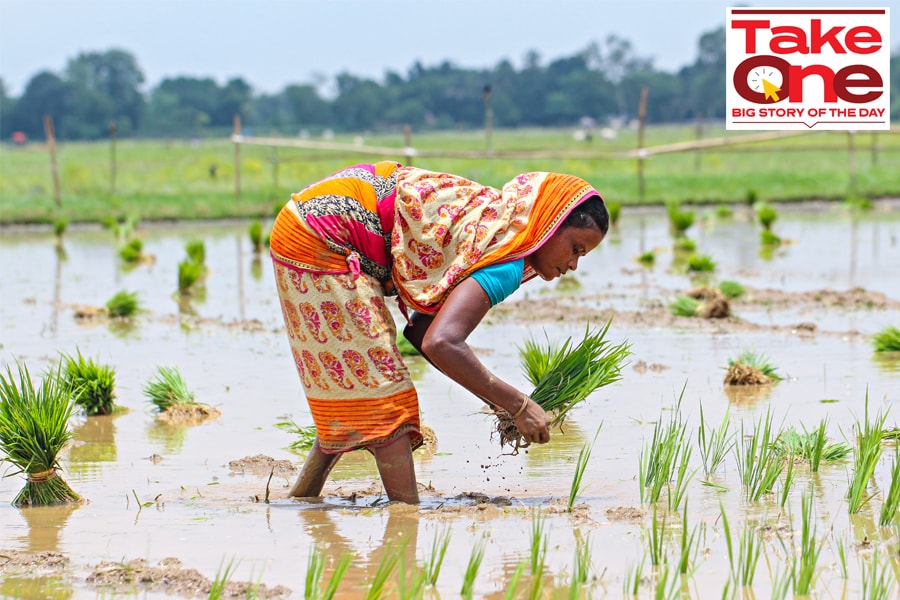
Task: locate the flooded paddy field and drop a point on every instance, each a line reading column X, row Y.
column 168, row 508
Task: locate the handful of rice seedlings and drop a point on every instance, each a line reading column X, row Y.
column 564, row 376
column 93, row 385
column 33, row 431
column 169, row 393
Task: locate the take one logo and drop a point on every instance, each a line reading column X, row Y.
column 808, row 68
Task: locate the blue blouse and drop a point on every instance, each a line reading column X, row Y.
column 500, row 280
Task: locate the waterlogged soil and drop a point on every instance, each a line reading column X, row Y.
column 171, row 506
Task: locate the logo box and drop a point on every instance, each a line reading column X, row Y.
column 807, row 68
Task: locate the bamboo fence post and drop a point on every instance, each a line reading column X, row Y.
column 699, row 137
column 51, row 145
column 488, row 119
column 642, row 118
column 113, row 129
column 851, row 157
column 874, row 148
column 407, row 145
column 236, row 136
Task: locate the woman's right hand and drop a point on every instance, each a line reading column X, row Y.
column 534, row 423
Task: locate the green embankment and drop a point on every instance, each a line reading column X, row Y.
column 183, row 179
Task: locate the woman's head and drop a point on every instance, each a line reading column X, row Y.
column 590, row 213
column 580, row 232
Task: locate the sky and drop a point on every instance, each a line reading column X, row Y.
column 273, row 43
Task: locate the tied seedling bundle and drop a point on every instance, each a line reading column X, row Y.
column 565, row 375
column 33, row 431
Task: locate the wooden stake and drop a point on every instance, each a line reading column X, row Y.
column 51, row 145
column 407, row 143
column 642, row 118
column 236, row 137
column 699, row 137
column 112, row 157
column 488, row 120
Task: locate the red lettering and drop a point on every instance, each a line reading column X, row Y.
column 871, row 78
column 750, row 34
column 798, row 74
column 787, row 39
column 830, row 38
column 863, row 35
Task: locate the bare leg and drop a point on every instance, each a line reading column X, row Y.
column 398, row 473
column 314, row 473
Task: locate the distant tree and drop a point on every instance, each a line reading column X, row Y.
column 895, row 83
column 233, row 99
column 45, row 94
column 704, row 80
column 107, row 88
column 305, row 107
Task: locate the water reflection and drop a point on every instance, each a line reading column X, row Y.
column 170, row 437
column 400, row 537
column 747, row 395
column 46, row 588
column 45, row 526
column 95, row 444
column 889, row 362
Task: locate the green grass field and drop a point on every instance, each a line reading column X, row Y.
column 159, row 179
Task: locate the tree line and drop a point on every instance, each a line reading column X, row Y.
column 601, row 82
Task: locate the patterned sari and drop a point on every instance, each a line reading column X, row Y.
column 339, row 245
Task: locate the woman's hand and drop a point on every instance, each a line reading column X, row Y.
column 534, row 423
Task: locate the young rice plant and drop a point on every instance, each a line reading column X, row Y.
column 887, row 340
column 123, row 304
column 92, row 385
column 168, row 389
column 33, row 431
column 563, row 376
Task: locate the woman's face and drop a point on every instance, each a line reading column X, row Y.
column 561, row 252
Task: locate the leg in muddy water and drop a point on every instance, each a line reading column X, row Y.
column 398, row 473
column 314, row 473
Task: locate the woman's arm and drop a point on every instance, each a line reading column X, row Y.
column 441, row 338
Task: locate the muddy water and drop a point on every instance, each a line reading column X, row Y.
column 155, row 490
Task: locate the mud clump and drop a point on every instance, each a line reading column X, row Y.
column 15, row 562
column 189, row 414
column 262, row 466
column 713, row 304
column 429, row 440
column 741, row 374
column 171, row 578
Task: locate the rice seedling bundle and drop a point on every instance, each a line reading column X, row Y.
column 701, row 263
column 702, row 302
column 731, row 289
column 33, row 431
column 564, row 376
column 131, row 251
column 766, row 214
column 168, row 389
column 255, row 232
column 615, row 209
column 680, row 220
column 768, row 238
column 123, row 304
column 93, row 385
column 59, row 226
column 750, row 368
column 196, row 251
column 887, row 340
column 647, row 258
column 189, row 272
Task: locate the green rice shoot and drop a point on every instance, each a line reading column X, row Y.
column 256, row 238
column 769, row 239
column 565, row 375
column 866, row 454
column 887, row 340
column 472, row 567
column 584, row 455
column 679, row 220
column 766, row 214
column 701, row 263
column 684, row 244
column 168, row 389
column 306, row 434
column 189, row 273
column 131, row 251
column 33, row 431
column 758, row 361
column 92, row 384
column 60, row 224
column 731, row 289
column 123, row 304
column 648, row 258
column 891, row 502
column 614, row 208
column 196, row 251
column 684, row 306
column 811, row 446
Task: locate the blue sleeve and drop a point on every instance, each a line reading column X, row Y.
column 501, row 280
